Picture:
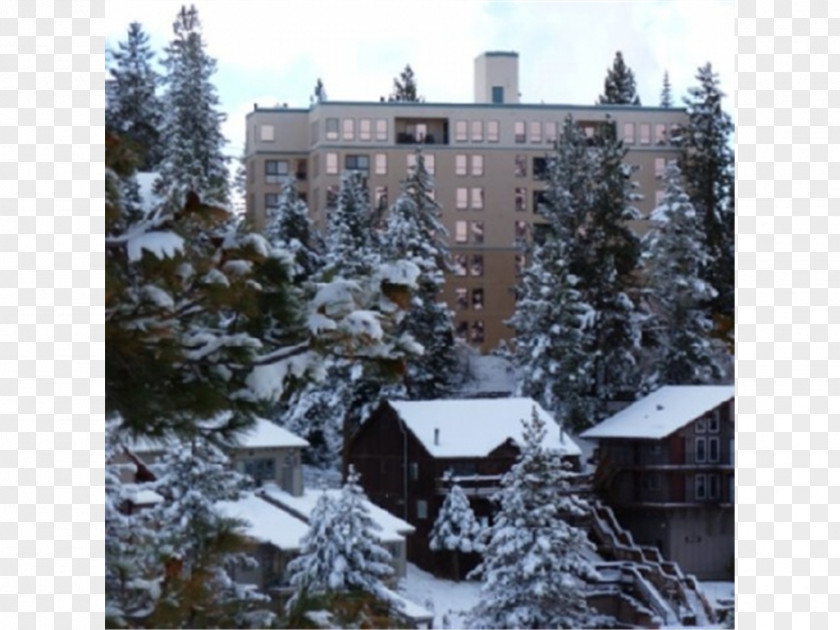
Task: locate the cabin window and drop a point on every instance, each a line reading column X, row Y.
column 422, row 509
column 700, row 450
column 652, row 481
column 700, row 426
column 655, row 448
column 714, row 423
column 714, row 449
column 714, row 487
column 700, row 487
column 260, row 469
column 464, row 469
column 414, row 471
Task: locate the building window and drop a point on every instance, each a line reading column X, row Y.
column 262, row 469
column 714, row 423
column 461, row 299
column 700, row 425
column 359, row 163
column 714, row 449
column 460, row 164
column 477, row 165
column 492, row 131
column 550, row 132
column 459, row 263
column 477, row 230
column 429, row 161
column 381, row 197
column 422, row 509
column 477, row 131
column 347, row 128
column 644, row 133
column 477, row 333
column 477, row 198
column 700, row 450
column 478, row 299
column 714, row 487
column 331, row 129
column 520, row 232
column 519, row 132
column 414, row 471
column 461, row 198
column 700, row 487
column 275, row 171
column 629, row 133
column 380, row 163
column 535, row 131
column 267, row 133
column 659, row 166
column 272, row 200
column 410, row 161
column 381, row 129
column 519, row 263
column 419, row 132
column 659, row 197
column 651, row 481
column 461, row 331
column 520, row 166
column 477, row 265
column 332, row 196
column 661, row 134
column 364, row 129
column 460, row 231
column 539, row 168
column 497, row 94
column 539, row 199
column 520, row 199
column 460, row 131
column 332, row 164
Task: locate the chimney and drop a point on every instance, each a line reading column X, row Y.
column 437, row 437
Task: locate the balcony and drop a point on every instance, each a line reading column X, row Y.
column 422, row 131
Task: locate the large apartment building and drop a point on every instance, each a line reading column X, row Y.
column 486, row 158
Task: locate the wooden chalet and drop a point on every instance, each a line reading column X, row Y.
column 405, row 448
column 666, row 466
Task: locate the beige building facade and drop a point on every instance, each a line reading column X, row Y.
column 486, row 158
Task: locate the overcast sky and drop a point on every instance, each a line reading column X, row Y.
column 273, row 52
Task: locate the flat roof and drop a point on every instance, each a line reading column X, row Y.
column 532, row 106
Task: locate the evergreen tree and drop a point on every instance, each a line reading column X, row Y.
column 415, row 232
column 580, row 282
column 240, row 178
column 708, row 167
column 341, row 551
column 319, row 95
column 350, row 240
column 193, row 158
column 134, row 110
column 675, row 254
column 665, row 99
column 289, row 227
column 405, row 87
column 534, row 566
column 619, row 85
column 456, row 529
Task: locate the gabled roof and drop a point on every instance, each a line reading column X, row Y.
column 475, row 427
column 661, row 413
column 393, row 528
column 266, row 522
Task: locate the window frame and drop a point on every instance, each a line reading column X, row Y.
column 700, row 481
column 492, row 131
column 380, row 160
column 628, row 138
column 381, row 130
column 328, row 170
column 535, row 132
column 461, row 130
column 461, row 167
column 263, row 129
column 477, row 159
column 477, row 198
column 275, row 176
column 462, row 198
column 331, row 134
column 348, row 129
column 519, row 137
column 476, row 131
column 462, row 231
column 365, row 130
column 701, row 448
column 644, row 134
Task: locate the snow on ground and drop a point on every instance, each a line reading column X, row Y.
column 448, row 600
column 722, row 592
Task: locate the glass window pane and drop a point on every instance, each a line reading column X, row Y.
column 519, row 132
column 460, row 231
column 477, row 229
column 347, row 129
column 520, row 166
column 364, row 129
column 644, row 133
column 332, row 129
column 477, row 198
column 460, row 131
column 535, row 131
column 477, row 165
column 460, row 164
column 492, row 131
column 629, row 133
column 477, row 128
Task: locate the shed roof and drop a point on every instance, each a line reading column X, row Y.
column 661, row 413
column 475, row 427
column 266, row 522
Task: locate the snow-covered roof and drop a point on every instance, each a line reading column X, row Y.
column 393, row 529
column 264, row 434
column 266, row 522
column 475, row 427
column 659, row 414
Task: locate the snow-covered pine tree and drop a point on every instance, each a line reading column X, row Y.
column 288, row 226
column 351, row 249
column 534, row 566
column 665, row 99
column 193, row 157
column 341, row 551
column 619, row 84
column 405, row 87
column 590, row 328
column 415, row 232
column 134, row 110
column 675, row 254
column 456, row 529
column 708, row 168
